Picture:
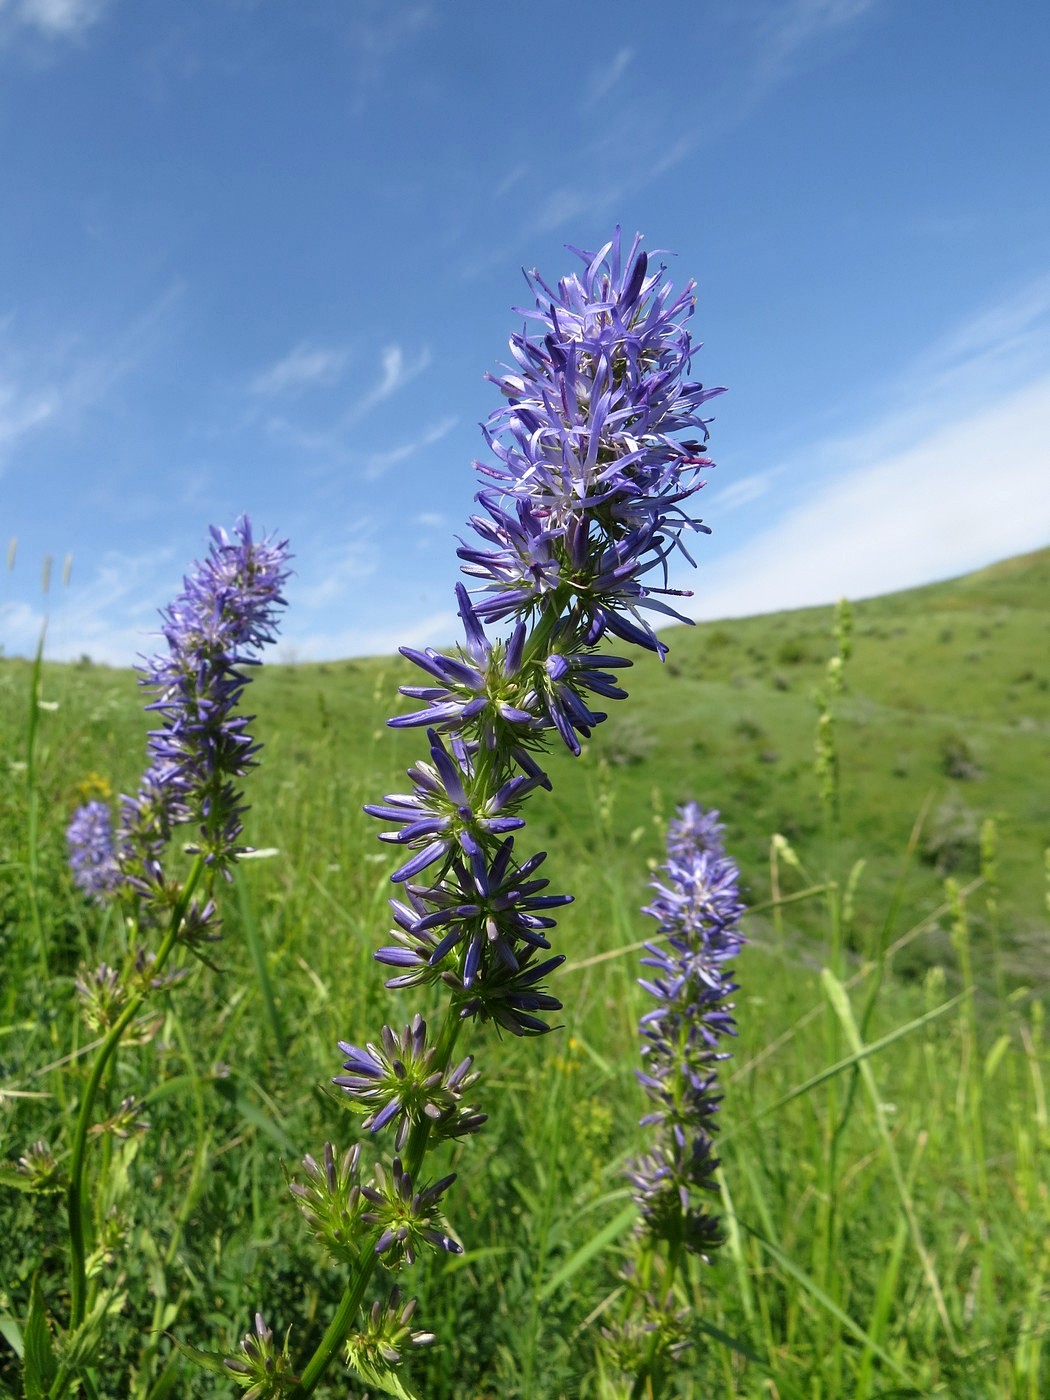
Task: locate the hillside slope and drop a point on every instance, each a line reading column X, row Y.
column 946, row 711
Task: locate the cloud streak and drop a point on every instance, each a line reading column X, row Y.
column 970, row 492
column 796, row 27
column 602, row 80
column 41, row 388
column 395, row 373
column 53, row 19
column 305, row 366
column 379, row 463
column 105, row 618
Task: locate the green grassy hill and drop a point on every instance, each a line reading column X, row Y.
column 945, row 716
column 893, row 1218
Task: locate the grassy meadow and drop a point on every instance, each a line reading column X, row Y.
column 885, row 1138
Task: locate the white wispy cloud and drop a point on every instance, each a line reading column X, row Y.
column 23, row 409
column 433, row 629
column 601, row 81
column 513, row 177
column 380, row 462
column 54, row 19
column 377, row 32
column 1006, row 338
column 329, row 571
column 49, row 385
column 792, row 29
column 970, row 494
column 395, row 371
column 305, row 366
column 105, row 616
column 742, row 491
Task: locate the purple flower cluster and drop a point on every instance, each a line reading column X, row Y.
column 598, row 446
column 592, row 468
column 224, row 614
column 698, row 907
column 92, row 851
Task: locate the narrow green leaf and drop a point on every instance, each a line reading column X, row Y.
column 39, row 1363
column 382, row 1378
column 592, row 1054
column 255, row 944
column 586, row 1252
column 840, row 1066
column 817, row 1293
column 253, row 1114
column 995, row 1055
column 455, row 1262
column 736, row 1248
column 81, row 1347
column 10, row 1176
column 840, row 1002
column 213, row 1361
column 12, row 1334
column 733, row 1343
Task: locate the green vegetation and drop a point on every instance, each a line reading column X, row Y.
column 885, row 1127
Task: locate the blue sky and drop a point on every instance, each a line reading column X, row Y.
column 259, row 256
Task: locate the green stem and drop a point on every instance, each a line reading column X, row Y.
column 537, row 648
column 75, row 1196
column 335, row 1336
column 33, row 808
column 262, row 972
column 419, row 1137
column 415, row 1151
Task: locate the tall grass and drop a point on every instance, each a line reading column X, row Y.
column 885, row 1142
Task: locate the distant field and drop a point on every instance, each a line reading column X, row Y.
column 946, row 714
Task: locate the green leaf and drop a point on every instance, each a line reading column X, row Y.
column 213, row 1361
column 586, row 1252
column 39, row 1363
column 828, row 1303
column 10, row 1176
column 80, row 1347
column 32, row 1186
column 12, row 1334
column 727, row 1340
column 860, row 1053
column 382, row 1378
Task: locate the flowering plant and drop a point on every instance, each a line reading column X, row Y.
column 698, row 908
column 598, row 447
column 201, row 749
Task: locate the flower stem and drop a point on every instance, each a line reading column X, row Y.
column 415, row 1152
column 339, row 1326
column 75, row 1195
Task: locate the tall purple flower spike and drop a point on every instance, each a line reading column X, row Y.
column 225, row 613
column 698, row 907
column 597, row 447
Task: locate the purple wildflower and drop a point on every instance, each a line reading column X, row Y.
column 397, row 1082
column 445, row 811
column 260, row 1368
column 386, row 1335
column 225, row 613
column 695, row 830
column 482, row 680
column 592, row 468
column 92, row 851
column 597, row 447
column 698, row 907
column 482, row 907
column 406, row 1215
